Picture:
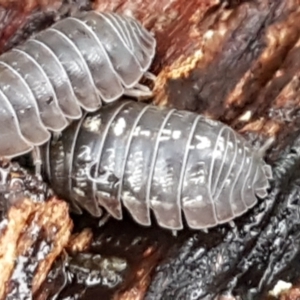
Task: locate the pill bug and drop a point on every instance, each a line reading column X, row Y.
column 146, row 158
column 44, row 82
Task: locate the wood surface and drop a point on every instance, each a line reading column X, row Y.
column 235, row 61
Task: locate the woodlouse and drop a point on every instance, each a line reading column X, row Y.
column 146, row 157
column 45, row 81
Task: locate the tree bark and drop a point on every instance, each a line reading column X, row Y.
column 235, row 61
column 33, row 232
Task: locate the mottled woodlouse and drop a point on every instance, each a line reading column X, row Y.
column 45, row 81
column 150, row 158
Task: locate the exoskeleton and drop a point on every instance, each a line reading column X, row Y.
column 143, row 157
column 76, row 64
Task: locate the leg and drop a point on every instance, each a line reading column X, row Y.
column 139, row 91
column 104, row 218
column 5, row 168
column 150, row 76
column 266, row 146
column 37, row 161
column 56, row 136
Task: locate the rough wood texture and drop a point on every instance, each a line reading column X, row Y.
column 135, row 250
column 34, row 230
column 29, row 5
column 33, row 233
column 236, row 61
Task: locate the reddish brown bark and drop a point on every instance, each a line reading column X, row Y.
column 29, row 225
column 238, row 64
column 30, row 5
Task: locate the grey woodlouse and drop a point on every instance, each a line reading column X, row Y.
column 146, row 157
column 44, row 82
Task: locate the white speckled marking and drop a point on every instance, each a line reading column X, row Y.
column 120, row 127
column 176, row 134
column 204, row 142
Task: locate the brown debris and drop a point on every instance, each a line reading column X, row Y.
column 30, row 225
column 56, row 226
column 29, row 5
column 81, row 241
column 118, row 264
column 10, row 232
column 138, row 288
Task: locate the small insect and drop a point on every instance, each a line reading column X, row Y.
column 44, row 83
column 146, row 158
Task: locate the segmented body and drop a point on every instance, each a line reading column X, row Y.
column 146, row 158
column 77, row 63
